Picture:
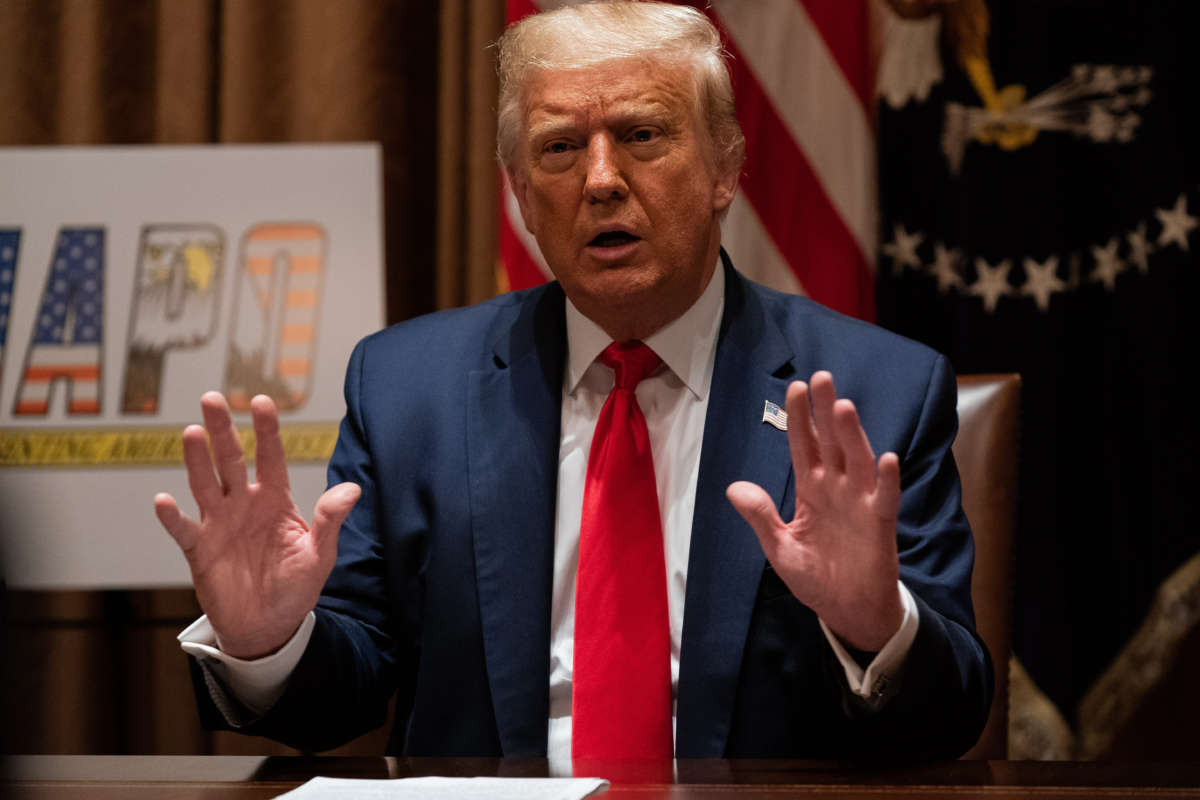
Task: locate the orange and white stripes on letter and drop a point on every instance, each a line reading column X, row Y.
column 273, row 342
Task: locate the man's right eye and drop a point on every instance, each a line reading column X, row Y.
column 557, row 147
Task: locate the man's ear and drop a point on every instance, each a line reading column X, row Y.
column 520, row 186
column 724, row 190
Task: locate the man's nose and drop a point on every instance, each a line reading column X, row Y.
column 605, row 179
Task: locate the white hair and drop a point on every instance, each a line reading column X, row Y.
column 592, row 33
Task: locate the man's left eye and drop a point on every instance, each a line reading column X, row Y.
column 643, row 135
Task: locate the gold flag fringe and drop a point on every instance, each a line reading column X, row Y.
column 1141, row 664
column 1037, row 730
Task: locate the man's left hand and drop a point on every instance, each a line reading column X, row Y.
column 838, row 554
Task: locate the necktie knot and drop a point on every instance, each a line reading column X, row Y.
column 631, row 361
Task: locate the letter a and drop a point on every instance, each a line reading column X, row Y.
column 68, row 334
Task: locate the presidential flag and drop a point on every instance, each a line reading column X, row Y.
column 1040, row 198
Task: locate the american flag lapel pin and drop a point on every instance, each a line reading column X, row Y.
column 774, row 415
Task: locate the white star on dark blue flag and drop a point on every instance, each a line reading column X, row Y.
column 72, row 303
column 10, row 241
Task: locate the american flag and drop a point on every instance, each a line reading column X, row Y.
column 774, row 415
column 10, row 243
column 805, row 219
column 69, row 329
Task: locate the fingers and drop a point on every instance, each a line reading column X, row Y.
column 270, row 463
column 201, row 479
column 802, row 439
column 829, row 433
column 182, row 529
column 222, row 436
column 757, row 508
column 823, row 397
column 887, row 491
column 852, row 440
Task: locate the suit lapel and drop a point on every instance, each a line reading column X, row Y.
column 513, row 433
column 726, row 562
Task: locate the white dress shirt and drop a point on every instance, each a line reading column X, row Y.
column 674, row 402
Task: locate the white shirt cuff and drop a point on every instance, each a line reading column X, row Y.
column 871, row 684
column 255, row 684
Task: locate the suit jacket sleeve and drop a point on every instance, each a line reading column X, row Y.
column 353, row 662
column 940, row 698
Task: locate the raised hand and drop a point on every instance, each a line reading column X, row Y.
column 257, row 568
column 838, row 554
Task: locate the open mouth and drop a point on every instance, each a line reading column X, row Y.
column 612, row 239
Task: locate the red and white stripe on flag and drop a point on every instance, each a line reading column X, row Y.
column 805, row 218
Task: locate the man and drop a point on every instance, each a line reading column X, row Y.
column 474, row 505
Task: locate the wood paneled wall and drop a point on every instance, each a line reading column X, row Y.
column 102, row 672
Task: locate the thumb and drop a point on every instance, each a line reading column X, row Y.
column 332, row 509
column 758, row 509
column 182, row 529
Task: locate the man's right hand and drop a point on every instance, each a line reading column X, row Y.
column 256, row 566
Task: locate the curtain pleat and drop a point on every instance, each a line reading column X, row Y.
column 185, row 64
column 105, row 72
column 467, row 175
column 356, row 70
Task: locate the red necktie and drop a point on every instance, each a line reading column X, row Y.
column 621, row 682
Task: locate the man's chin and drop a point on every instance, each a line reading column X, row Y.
column 622, row 285
column 627, row 301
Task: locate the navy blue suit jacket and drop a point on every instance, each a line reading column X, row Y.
column 441, row 592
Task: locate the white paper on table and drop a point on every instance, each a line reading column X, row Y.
column 434, row 788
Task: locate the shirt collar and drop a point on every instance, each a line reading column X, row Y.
column 687, row 345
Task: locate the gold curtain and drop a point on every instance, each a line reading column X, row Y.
column 100, row 672
column 467, row 171
column 106, row 71
column 195, row 71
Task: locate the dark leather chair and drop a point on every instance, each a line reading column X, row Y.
column 986, row 452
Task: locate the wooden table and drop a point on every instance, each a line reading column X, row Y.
column 196, row 777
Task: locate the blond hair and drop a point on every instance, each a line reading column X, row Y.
column 591, row 33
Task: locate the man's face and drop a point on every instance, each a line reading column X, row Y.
column 617, row 182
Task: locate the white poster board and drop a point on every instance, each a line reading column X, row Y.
column 133, row 279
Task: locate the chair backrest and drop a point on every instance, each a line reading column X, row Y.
column 986, row 453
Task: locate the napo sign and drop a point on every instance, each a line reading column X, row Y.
column 134, row 279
